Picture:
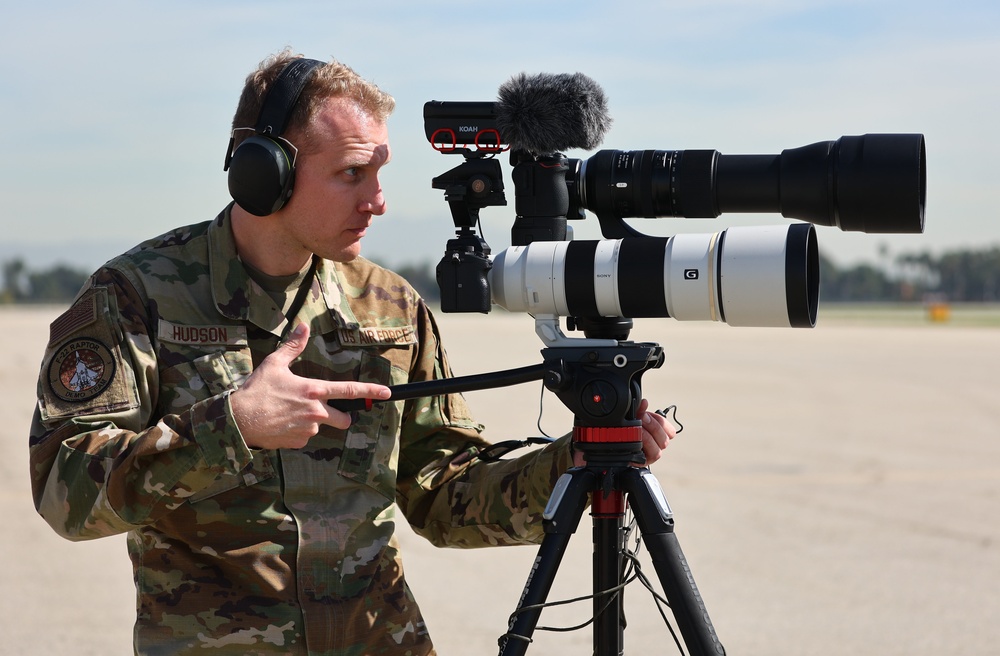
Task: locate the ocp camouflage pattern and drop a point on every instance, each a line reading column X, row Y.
column 245, row 551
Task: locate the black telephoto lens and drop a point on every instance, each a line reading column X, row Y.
column 875, row 183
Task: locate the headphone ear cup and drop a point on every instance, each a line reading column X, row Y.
column 261, row 175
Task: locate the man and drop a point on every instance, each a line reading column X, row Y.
column 260, row 519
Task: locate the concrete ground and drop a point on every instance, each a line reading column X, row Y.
column 836, row 491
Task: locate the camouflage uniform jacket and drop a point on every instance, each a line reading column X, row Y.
column 252, row 551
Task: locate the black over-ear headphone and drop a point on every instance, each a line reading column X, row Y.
column 261, row 169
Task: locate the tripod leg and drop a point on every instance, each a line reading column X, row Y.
column 561, row 517
column 656, row 523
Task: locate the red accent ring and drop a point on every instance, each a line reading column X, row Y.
column 617, row 434
column 607, row 507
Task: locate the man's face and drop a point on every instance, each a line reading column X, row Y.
column 337, row 189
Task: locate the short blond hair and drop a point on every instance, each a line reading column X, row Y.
column 332, row 80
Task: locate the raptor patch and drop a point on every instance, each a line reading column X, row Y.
column 81, row 370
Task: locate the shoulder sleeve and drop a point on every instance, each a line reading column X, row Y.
column 447, row 494
column 101, row 461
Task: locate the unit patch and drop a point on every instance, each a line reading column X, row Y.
column 81, row 370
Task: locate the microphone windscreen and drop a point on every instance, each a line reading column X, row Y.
column 547, row 113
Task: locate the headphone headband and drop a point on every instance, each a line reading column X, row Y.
column 283, row 95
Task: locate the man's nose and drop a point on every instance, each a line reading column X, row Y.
column 376, row 202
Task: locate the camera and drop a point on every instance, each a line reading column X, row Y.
column 743, row 276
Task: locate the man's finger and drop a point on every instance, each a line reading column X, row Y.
column 656, row 428
column 357, row 390
column 292, row 347
column 339, row 419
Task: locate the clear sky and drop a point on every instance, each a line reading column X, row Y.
column 116, row 114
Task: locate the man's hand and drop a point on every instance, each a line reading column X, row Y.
column 275, row 409
column 656, row 433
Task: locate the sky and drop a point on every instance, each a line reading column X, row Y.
column 118, row 114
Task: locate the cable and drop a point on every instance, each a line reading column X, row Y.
column 497, row 451
column 667, row 411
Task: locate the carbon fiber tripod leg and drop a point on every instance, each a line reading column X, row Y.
column 561, row 517
column 645, row 498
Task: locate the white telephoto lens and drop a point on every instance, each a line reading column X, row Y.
column 744, row 276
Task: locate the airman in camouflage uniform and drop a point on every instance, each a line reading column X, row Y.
column 283, row 550
column 145, row 425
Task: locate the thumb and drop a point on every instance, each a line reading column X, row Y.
column 292, row 347
column 643, row 406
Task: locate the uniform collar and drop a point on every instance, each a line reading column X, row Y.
column 238, row 297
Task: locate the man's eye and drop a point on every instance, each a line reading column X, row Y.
column 351, row 172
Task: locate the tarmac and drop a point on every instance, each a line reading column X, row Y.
column 835, row 491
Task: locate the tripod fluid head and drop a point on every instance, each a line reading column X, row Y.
column 601, row 385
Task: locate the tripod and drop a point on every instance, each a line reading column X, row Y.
column 599, row 380
column 601, row 385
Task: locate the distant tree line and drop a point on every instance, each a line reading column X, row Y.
column 962, row 276
column 58, row 284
